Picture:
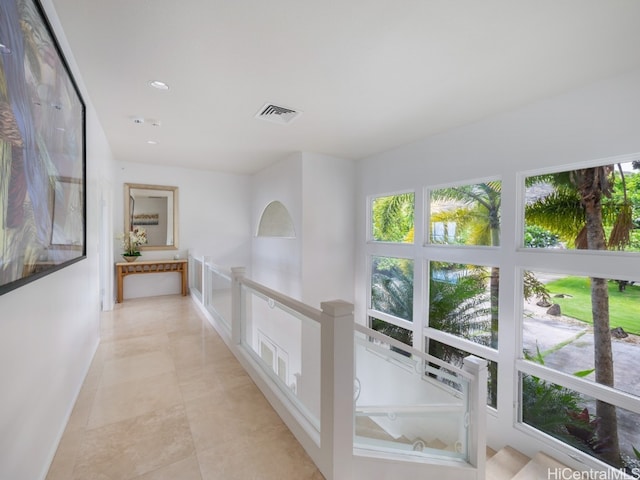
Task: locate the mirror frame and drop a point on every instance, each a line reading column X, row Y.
column 127, row 212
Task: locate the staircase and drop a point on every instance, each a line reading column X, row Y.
column 506, row 464
column 510, row 464
column 366, row 428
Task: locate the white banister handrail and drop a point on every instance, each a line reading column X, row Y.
column 292, row 303
column 226, row 273
column 409, row 349
column 332, row 447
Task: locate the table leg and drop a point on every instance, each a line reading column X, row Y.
column 119, row 282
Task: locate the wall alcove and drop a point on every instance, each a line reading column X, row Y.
column 276, row 222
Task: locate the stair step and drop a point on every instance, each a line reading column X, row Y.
column 490, row 452
column 505, row 464
column 365, row 427
column 543, row 466
column 437, row 444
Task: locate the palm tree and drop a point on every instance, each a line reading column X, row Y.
column 392, row 288
column 592, row 185
column 393, row 217
column 576, row 209
column 392, row 282
column 458, row 304
column 477, row 213
column 392, row 293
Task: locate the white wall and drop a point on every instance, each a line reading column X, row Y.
column 214, row 220
column 49, row 330
column 318, row 191
column 586, row 124
column 277, row 262
column 328, row 228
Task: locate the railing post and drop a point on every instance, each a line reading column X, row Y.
column 207, row 299
column 195, row 283
column 190, row 268
column 477, row 413
column 336, row 386
column 237, row 274
column 203, row 274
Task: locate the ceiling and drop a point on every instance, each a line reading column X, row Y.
column 367, row 75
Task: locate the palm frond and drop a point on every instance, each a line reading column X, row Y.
column 460, row 304
column 388, row 211
column 620, row 235
column 392, row 291
column 559, row 212
column 534, row 287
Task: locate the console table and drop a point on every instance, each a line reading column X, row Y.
column 150, row 266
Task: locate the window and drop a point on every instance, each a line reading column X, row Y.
column 463, row 301
column 558, row 330
column 455, row 356
column 392, row 286
column 582, row 421
column 559, row 206
column 391, row 309
column 392, row 218
column 580, row 329
column 466, row 215
column 403, row 335
column 451, row 296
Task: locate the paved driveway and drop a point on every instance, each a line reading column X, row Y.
column 567, row 345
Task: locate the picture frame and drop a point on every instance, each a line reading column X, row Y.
column 42, row 150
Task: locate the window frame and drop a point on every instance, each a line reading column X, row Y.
column 606, row 264
column 426, row 241
column 369, row 217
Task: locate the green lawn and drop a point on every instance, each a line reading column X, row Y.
column 624, row 307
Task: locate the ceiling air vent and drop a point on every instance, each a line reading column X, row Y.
column 276, row 114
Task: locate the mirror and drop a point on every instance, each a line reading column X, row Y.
column 154, row 208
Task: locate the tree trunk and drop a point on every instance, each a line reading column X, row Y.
column 607, row 426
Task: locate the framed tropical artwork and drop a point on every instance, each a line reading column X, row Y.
column 42, row 150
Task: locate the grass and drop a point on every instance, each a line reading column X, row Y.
column 624, row 307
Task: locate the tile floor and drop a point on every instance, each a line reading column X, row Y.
column 165, row 399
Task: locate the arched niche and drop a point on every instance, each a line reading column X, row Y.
column 276, row 222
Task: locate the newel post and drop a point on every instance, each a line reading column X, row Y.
column 237, row 274
column 477, row 413
column 336, row 386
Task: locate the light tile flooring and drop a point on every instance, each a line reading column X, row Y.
column 165, row 399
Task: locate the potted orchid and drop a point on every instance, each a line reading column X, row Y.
column 131, row 243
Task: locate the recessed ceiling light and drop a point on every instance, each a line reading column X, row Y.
column 159, row 85
column 152, row 142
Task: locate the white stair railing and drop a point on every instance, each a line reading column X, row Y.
column 246, row 314
column 417, row 405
